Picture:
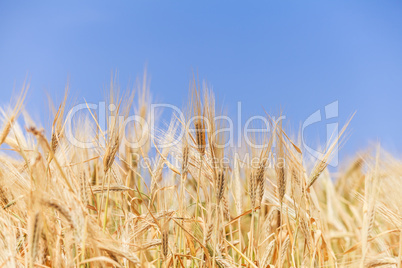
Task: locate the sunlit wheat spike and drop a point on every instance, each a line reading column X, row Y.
column 3, row 197
column 324, row 160
column 110, row 153
column 199, row 122
column 220, row 185
column 34, row 234
column 59, row 207
column 252, row 188
column 208, row 233
column 113, row 188
column 184, row 165
column 165, row 242
column 284, row 250
column 83, row 188
column 200, row 135
column 57, row 126
column 381, row 262
column 261, row 179
column 14, row 114
column 226, row 209
column 280, row 174
column 280, row 166
column 266, row 259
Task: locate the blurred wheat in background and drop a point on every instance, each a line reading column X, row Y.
column 66, row 206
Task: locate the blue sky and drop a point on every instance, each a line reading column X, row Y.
column 297, row 56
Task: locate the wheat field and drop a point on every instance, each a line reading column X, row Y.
column 196, row 203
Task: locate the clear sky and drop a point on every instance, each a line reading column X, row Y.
column 297, row 56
